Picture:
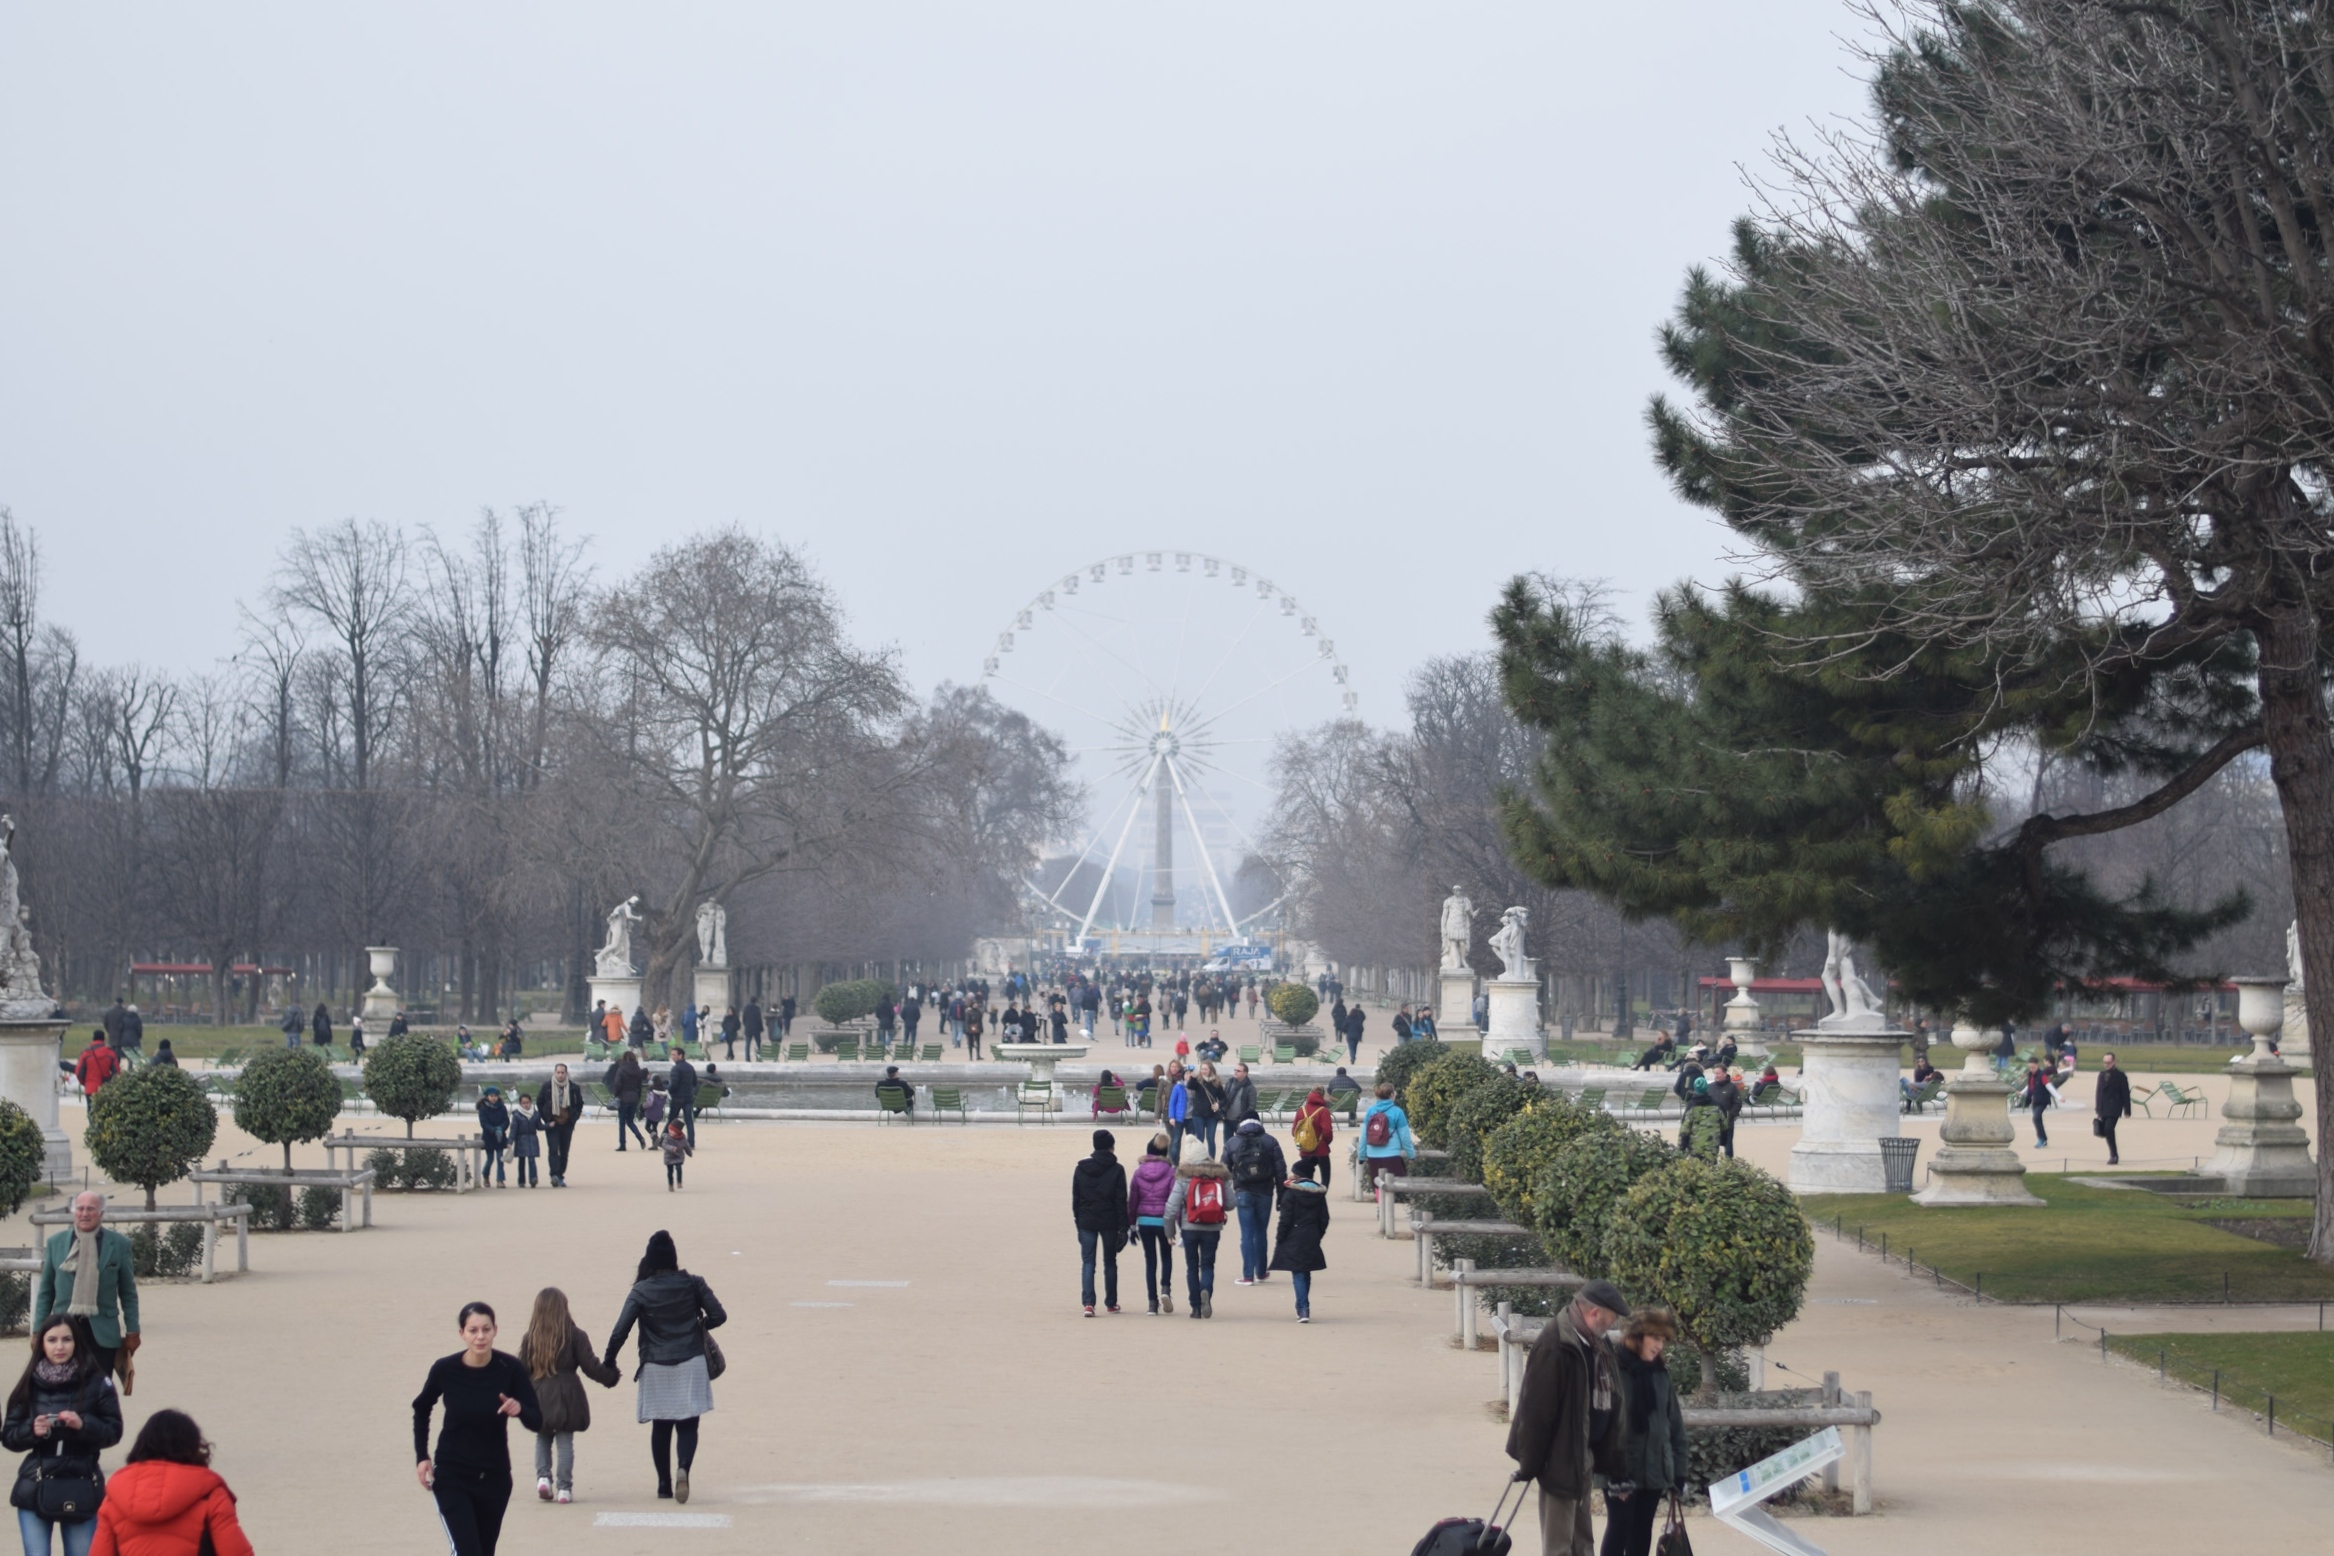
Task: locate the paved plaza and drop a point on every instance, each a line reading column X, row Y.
column 908, row 1372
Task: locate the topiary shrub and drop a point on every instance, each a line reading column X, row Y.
column 412, row 1077
column 1575, row 1197
column 272, row 1209
column 1520, row 1150
column 1437, row 1088
column 1403, row 1061
column 1480, row 1111
column 1291, row 1004
column 318, row 1205
column 24, row 1151
column 1722, row 1244
column 150, row 1127
column 287, row 1095
column 839, row 1004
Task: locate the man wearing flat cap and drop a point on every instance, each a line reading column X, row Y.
column 1568, row 1426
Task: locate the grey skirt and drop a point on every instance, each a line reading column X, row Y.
column 679, row 1391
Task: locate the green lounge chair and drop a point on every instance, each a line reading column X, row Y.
column 950, row 1099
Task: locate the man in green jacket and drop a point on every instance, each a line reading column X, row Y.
column 88, row 1272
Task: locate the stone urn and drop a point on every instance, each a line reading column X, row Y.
column 2264, row 1152
column 1041, row 1059
column 379, row 1006
column 1742, row 1012
column 1977, row 1165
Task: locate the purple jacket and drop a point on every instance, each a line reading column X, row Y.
column 1147, row 1190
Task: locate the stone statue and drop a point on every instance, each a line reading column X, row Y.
column 1508, row 942
column 21, row 996
column 615, row 957
column 1458, row 928
column 1855, row 1008
column 712, row 934
column 2293, row 955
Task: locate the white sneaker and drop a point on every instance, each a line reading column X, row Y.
column 543, row 1487
column 564, row 1496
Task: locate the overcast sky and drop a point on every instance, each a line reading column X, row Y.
column 956, row 297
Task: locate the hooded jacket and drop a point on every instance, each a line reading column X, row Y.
column 159, row 1508
column 1178, row 1199
column 1098, row 1194
column 1147, row 1190
column 1304, row 1221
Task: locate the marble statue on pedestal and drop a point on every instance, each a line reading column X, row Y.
column 1508, row 942
column 1458, row 927
column 712, row 934
column 614, row 959
column 2294, row 1035
column 1855, row 1008
column 21, row 995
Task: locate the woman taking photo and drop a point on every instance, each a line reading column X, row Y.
column 167, row 1500
column 470, row 1475
column 674, row 1309
column 62, row 1414
column 558, row 1356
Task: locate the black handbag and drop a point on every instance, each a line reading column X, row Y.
column 66, row 1495
column 715, row 1363
column 1673, row 1538
column 2099, row 1128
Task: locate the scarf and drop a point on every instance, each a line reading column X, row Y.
column 54, row 1375
column 559, row 1099
column 84, row 1266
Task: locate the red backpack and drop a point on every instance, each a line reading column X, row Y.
column 1205, row 1204
column 1380, row 1129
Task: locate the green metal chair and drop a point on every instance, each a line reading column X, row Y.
column 797, row 1052
column 1284, row 1053
column 1038, row 1095
column 932, row 1053
column 1593, row 1098
column 1110, row 1102
column 895, row 1102
column 1251, row 1053
column 950, row 1099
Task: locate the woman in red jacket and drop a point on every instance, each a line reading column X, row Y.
column 167, row 1501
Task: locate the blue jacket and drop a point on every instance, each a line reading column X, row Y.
column 1400, row 1142
column 1178, row 1104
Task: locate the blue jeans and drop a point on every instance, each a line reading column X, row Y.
column 490, row 1169
column 1254, row 1206
column 1087, row 1242
column 1199, row 1264
column 1206, row 1133
column 1303, row 1281
column 35, row 1529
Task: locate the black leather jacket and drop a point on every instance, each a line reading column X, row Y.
column 63, row 1451
column 667, row 1306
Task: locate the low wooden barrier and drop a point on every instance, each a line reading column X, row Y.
column 468, row 1151
column 353, row 1186
column 208, row 1215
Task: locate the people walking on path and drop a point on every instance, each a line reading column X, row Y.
column 558, row 1356
column 1098, row 1204
column 1239, row 1099
column 526, row 1142
column 494, row 1134
column 62, row 1414
column 1146, row 1211
column 627, row 1082
column 1178, row 1114
column 1567, row 1425
column 166, row 1500
column 469, row 1475
column 1312, row 1131
column 675, row 1310
column 320, row 1026
column 1197, row 1208
column 2037, row 1098
column 1387, row 1144
column 88, row 1270
column 1258, row 1169
column 681, row 1081
column 2110, row 1103
column 731, row 1025
column 674, row 1143
column 751, row 1027
column 1653, row 1448
column 1304, row 1221
column 1206, row 1105
column 972, row 1029
column 97, row 1065
column 559, row 1105
column 1355, row 1019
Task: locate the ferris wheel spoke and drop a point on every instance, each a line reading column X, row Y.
column 1230, row 649
column 1224, row 812
column 1038, row 691
column 1101, row 647
column 1201, row 728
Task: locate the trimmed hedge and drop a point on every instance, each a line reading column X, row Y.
column 1437, row 1088
column 841, row 1003
column 1481, row 1110
column 1576, row 1196
column 1292, row 1003
column 412, row 1077
column 1403, row 1062
column 1518, row 1152
column 150, row 1127
column 286, row 1095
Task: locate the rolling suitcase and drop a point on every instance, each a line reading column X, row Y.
column 1473, row 1536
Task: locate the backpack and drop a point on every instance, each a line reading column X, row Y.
column 1380, row 1130
column 1308, row 1137
column 1204, row 1206
column 1252, row 1168
column 655, row 1111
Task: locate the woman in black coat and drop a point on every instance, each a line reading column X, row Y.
column 1354, row 1017
column 62, row 1414
column 626, row 1080
column 678, row 1359
column 1304, row 1221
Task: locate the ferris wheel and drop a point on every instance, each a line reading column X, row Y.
column 1169, row 673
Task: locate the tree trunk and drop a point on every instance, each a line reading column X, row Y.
column 149, row 1196
column 287, row 1163
column 2301, row 763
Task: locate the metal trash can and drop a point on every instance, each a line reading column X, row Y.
column 1896, row 1155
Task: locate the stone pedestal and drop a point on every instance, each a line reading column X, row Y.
column 1849, row 1079
column 711, row 989
column 1742, row 1012
column 1041, row 1059
column 380, row 1003
column 1976, row 1165
column 1454, row 1012
column 2264, row 1152
column 1515, row 1019
column 29, row 1054
column 623, row 993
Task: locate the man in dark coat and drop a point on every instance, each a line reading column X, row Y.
column 752, row 1028
column 1098, row 1205
column 2111, row 1103
column 1568, row 1424
column 1239, row 1099
column 681, row 1080
column 113, row 1022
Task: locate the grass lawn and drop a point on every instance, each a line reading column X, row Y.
column 2088, row 1245
column 2297, row 1368
column 199, row 1042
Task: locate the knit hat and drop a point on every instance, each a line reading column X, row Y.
column 661, row 1255
column 1194, row 1152
column 1160, row 1144
column 1104, row 1139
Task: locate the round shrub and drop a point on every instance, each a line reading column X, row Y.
column 1720, row 1243
column 839, row 1004
column 1403, row 1062
column 271, row 1206
column 24, row 1151
column 1292, row 1004
column 412, row 1077
column 150, row 1127
column 1479, row 1112
column 1436, row 1089
column 1518, row 1152
column 1575, row 1196
column 318, row 1205
column 287, row 1095
column 1698, row 1133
